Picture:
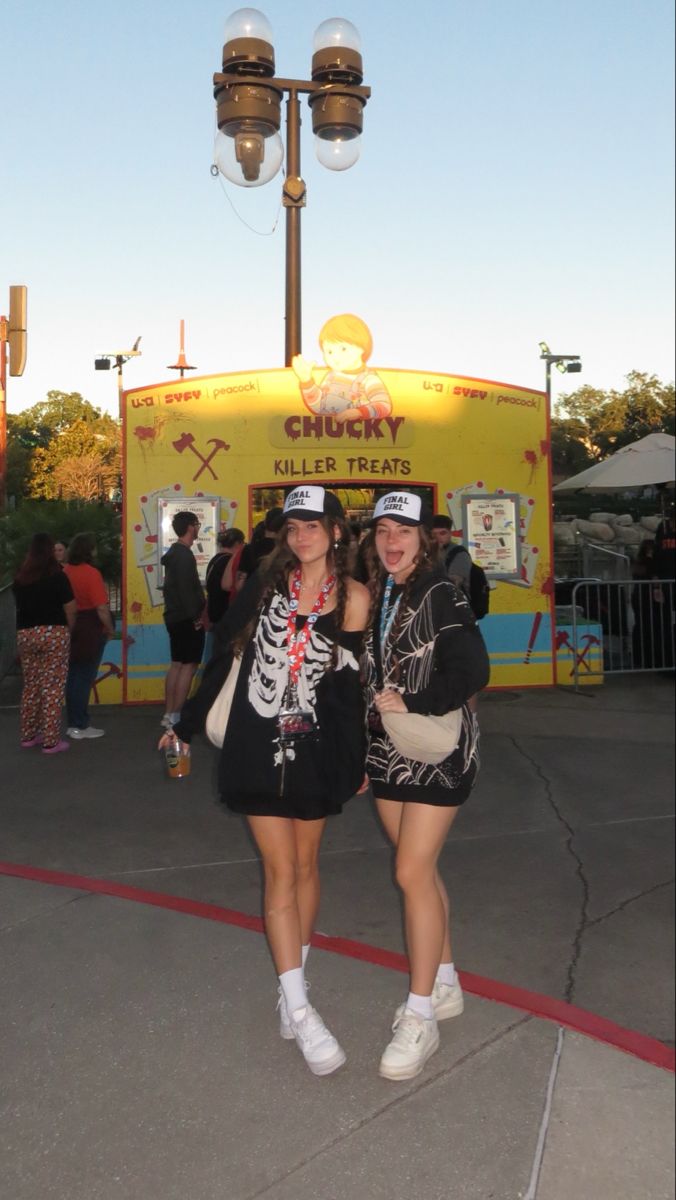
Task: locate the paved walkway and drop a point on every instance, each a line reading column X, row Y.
column 140, row 1054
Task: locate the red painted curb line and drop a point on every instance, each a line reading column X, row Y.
column 648, row 1049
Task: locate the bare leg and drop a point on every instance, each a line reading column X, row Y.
column 308, row 835
column 276, row 841
column 419, row 832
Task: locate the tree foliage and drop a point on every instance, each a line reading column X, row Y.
column 63, row 448
column 62, row 520
column 590, row 424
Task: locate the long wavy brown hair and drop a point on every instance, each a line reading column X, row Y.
column 278, row 566
column 425, row 559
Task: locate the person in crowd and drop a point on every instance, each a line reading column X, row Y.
column 452, row 554
column 295, row 744
column 61, row 552
column 45, row 614
column 221, row 571
column 93, row 626
column 423, row 654
column 664, row 566
column 646, row 612
column 184, row 613
column 262, row 543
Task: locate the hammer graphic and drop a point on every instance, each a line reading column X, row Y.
column 218, row 444
column 187, row 442
column 113, row 670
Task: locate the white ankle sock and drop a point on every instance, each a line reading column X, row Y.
column 422, row 1005
column 447, row 974
column 305, row 951
column 292, row 984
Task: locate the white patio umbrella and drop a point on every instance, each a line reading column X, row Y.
column 651, row 460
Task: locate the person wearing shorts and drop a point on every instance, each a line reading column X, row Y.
column 183, row 615
column 423, row 654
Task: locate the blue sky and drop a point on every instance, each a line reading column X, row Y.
column 515, row 184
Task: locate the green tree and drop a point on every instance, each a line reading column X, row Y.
column 62, row 520
column 611, row 420
column 570, row 447
column 64, row 448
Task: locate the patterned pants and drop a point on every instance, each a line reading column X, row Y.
column 43, row 651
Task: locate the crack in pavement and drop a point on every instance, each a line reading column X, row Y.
column 395, row 1103
column 579, row 870
column 630, row 900
column 46, row 913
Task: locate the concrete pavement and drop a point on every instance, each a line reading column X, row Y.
column 140, row 1053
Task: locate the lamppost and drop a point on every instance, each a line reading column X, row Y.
column 105, row 361
column 249, row 150
column 565, row 363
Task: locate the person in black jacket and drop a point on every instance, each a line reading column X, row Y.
column 295, row 741
column 183, row 614
column 423, row 654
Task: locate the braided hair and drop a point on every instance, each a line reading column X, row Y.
column 279, row 564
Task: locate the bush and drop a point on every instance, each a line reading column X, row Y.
column 62, row 520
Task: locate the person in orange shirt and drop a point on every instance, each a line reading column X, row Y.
column 93, row 627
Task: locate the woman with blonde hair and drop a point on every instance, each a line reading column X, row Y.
column 295, row 744
column 423, row 655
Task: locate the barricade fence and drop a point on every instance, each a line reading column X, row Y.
column 635, row 624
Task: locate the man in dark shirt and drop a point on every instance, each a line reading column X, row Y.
column 183, row 615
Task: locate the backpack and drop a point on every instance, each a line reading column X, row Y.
column 479, row 593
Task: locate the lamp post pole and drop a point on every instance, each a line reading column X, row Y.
column 293, row 199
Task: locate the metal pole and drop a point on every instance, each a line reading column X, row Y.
column 292, row 309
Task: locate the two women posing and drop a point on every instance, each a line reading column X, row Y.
column 295, row 741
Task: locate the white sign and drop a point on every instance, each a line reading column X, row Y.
column 206, row 509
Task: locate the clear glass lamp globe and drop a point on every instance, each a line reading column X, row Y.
column 339, row 153
column 248, row 23
column 249, row 159
column 336, row 32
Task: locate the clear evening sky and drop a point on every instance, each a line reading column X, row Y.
column 515, row 184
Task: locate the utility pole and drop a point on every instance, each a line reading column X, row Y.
column 13, row 336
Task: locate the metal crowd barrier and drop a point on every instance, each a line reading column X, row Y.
column 636, row 620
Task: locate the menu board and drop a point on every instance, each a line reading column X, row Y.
column 206, row 509
column 491, row 527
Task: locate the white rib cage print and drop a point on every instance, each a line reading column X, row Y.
column 270, row 667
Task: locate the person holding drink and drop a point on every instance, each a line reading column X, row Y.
column 295, row 740
column 423, row 655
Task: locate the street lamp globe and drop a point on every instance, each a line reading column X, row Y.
column 336, row 33
column 248, row 157
column 248, row 43
column 338, row 153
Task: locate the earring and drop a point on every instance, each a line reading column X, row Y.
column 336, row 545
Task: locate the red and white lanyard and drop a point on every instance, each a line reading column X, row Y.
column 297, row 640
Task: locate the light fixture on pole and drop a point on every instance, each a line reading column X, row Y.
column 248, row 149
column 565, row 363
column 118, row 358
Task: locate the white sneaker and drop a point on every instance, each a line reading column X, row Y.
column 319, row 1047
column 167, row 722
column 447, row 1001
column 415, row 1040
column 89, row 732
column 285, row 1030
